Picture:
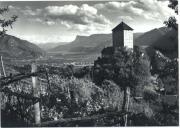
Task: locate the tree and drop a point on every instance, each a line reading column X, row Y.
column 174, row 5
column 126, row 68
column 172, row 22
column 6, row 22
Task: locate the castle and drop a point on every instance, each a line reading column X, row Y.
column 122, row 36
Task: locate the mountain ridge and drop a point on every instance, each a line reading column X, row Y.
column 159, row 38
column 96, row 41
column 14, row 47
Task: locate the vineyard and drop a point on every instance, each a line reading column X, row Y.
column 63, row 100
column 42, row 95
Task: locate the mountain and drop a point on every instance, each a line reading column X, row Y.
column 47, row 46
column 168, row 44
column 150, row 37
column 13, row 47
column 87, row 44
column 137, row 35
column 163, row 39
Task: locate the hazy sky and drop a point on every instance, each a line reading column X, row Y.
column 61, row 21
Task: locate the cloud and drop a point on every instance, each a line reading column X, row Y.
column 25, row 11
column 82, row 15
column 85, row 19
column 155, row 9
column 136, row 11
column 14, row 9
column 62, row 10
column 82, row 19
column 128, row 18
column 42, row 21
column 83, row 29
column 115, row 6
column 92, row 29
column 50, row 23
column 140, row 9
column 29, row 12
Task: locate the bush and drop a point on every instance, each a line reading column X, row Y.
column 113, row 95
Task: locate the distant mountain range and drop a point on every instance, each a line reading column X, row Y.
column 160, row 38
column 87, row 44
column 13, row 47
column 163, row 39
column 47, row 46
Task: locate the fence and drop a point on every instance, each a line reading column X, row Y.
column 5, row 81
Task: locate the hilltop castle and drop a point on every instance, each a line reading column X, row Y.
column 122, row 36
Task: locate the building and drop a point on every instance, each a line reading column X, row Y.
column 122, row 36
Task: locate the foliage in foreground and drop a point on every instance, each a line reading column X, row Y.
column 68, row 96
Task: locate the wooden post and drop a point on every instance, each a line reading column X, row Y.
column 3, row 67
column 37, row 112
column 127, row 107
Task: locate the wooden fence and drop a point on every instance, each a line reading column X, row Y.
column 5, row 81
column 82, row 119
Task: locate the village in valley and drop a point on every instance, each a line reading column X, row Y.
column 122, row 78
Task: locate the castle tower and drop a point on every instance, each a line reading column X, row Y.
column 122, row 36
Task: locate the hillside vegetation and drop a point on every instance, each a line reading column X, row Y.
column 92, row 91
column 13, row 47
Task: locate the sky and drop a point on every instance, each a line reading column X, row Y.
column 62, row 21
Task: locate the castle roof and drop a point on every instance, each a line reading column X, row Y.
column 122, row 26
